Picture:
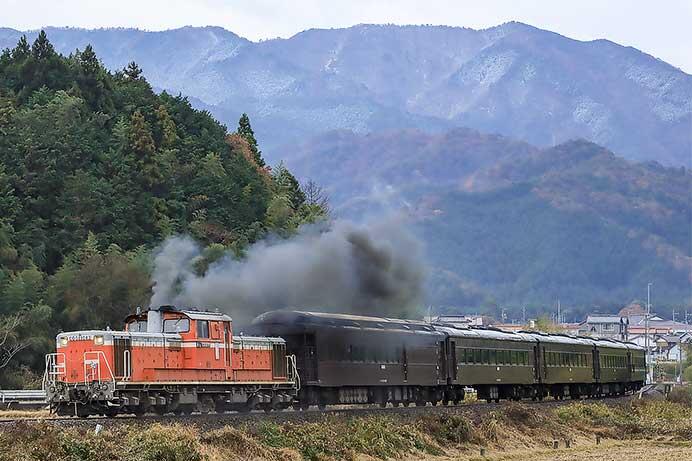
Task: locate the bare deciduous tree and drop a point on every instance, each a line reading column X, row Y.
column 316, row 195
column 10, row 343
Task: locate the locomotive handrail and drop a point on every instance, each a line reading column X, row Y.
column 293, row 370
column 127, row 360
column 90, row 362
column 55, row 367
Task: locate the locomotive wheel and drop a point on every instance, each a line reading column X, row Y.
column 322, row 406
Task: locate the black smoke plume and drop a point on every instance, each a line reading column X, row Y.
column 375, row 269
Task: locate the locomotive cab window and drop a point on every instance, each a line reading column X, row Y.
column 202, row 329
column 181, row 325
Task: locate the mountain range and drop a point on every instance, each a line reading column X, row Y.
column 508, row 223
column 513, row 79
column 520, row 217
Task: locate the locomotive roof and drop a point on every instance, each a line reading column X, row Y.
column 194, row 314
column 344, row 320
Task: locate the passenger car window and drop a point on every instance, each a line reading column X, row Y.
column 181, row 325
column 202, row 329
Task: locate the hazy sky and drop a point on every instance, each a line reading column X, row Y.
column 662, row 28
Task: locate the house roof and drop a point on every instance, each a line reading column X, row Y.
column 603, row 319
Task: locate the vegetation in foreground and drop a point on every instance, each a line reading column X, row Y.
column 513, row 427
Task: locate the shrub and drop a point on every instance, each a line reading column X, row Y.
column 238, row 444
column 687, row 374
column 447, row 429
column 681, row 395
column 163, row 443
column 585, row 412
column 520, row 414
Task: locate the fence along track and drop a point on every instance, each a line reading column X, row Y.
column 19, row 399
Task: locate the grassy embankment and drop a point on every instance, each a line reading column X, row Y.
column 513, row 432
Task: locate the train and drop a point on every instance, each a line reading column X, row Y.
column 183, row 360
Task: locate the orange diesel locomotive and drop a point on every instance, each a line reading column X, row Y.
column 168, row 360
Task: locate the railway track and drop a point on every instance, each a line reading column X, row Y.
column 216, row 420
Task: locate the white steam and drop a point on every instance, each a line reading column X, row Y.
column 375, row 269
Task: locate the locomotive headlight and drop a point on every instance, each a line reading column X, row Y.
column 63, row 342
column 98, row 340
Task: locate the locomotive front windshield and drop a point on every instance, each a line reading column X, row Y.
column 137, row 326
column 181, row 325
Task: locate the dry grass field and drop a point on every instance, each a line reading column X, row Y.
column 630, row 450
column 629, row 431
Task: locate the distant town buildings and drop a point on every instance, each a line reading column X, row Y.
column 604, row 326
column 459, row 321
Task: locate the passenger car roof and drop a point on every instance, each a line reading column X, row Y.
column 342, row 320
column 483, row 333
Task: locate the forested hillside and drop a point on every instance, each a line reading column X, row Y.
column 511, row 225
column 95, row 170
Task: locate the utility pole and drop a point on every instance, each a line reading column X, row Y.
column 674, row 315
column 680, row 360
column 558, row 311
column 646, row 331
column 523, row 315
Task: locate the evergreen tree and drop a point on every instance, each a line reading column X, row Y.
column 92, row 81
column 22, row 50
column 132, row 71
column 245, row 130
column 43, row 67
column 42, row 49
column 143, row 147
column 287, row 184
